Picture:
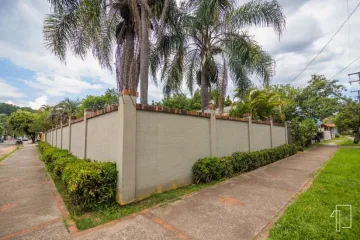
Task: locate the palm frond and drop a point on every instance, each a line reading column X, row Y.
column 259, row 13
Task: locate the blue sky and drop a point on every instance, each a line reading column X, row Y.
column 31, row 76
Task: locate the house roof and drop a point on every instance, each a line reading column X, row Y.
column 329, row 125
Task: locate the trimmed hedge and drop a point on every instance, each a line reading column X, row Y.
column 88, row 183
column 213, row 168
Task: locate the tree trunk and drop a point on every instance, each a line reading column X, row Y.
column 204, row 88
column 129, row 56
column 144, row 57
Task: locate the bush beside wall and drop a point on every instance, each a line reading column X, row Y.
column 213, row 168
column 88, row 183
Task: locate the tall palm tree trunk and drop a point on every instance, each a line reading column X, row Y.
column 204, row 87
column 144, row 57
column 129, row 56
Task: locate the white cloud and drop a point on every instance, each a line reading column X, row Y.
column 38, row 102
column 8, row 91
column 25, row 47
column 59, row 85
column 310, row 24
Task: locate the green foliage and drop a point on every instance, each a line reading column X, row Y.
column 96, row 103
column 221, row 48
column 2, row 130
column 89, row 184
column 320, row 99
column 213, row 168
column 8, row 109
column 261, row 103
column 347, row 120
column 303, row 131
column 22, row 122
column 181, row 101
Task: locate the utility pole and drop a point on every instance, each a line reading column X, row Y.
column 357, row 138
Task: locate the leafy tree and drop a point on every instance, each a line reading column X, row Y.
column 21, row 122
column 181, row 101
column 320, row 99
column 303, row 131
column 348, row 118
column 41, row 121
column 96, row 103
column 216, row 47
column 2, row 130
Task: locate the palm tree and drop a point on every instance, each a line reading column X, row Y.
column 261, row 103
column 65, row 109
column 217, row 48
column 97, row 24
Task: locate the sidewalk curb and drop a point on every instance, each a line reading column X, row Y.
column 59, row 201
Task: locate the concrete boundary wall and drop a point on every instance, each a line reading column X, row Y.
column 154, row 148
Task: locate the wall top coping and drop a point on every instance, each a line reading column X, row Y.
column 151, row 108
column 108, row 109
column 160, row 109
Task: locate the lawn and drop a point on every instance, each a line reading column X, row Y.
column 337, row 184
column 348, row 142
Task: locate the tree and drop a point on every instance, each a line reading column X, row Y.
column 303, row 131
column 7, row 109
column 320, row 99
column 261, row 103
column 41, row 121
column 97, row 25
column 2, row 130
column 181, row 101
column 347, row 119
column 96, row 103
column 215, row 46
column 65, row 109
column 21, row 122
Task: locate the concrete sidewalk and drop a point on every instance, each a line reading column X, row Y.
column 28, row 206
column 239, row 208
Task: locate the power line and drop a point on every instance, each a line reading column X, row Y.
column 348, row 12
column 326, row 43
column 344, row 68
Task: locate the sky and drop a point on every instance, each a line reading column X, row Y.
column 30, row 75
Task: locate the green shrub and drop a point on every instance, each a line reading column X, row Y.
column 207, row 170
column 89, row 184
column 210, row 169
column 226, row 166
column 61, row 163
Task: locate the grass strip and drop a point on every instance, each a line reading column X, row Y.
column 108, row 212
column 309, row 216
column 8, row 154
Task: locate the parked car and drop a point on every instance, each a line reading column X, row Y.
column 25, row 139
column 1, row 140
